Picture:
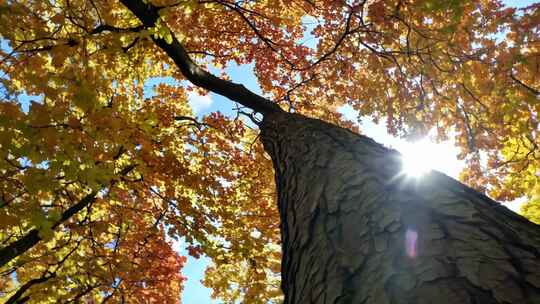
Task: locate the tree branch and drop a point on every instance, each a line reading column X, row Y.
column 109, row 28
column 15, row 298
column 30, row 239
column 529, row 88
column 148, row 15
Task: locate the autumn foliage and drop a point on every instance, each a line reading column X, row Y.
column 80, row 119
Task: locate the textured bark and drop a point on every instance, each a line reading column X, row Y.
column 356, row 231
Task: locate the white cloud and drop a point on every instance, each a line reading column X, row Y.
column 199, row 103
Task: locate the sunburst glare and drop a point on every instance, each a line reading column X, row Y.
column 420, row 157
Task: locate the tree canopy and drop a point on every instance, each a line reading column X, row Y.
column 98, row 175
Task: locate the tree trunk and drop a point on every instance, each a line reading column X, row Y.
column 356, row 231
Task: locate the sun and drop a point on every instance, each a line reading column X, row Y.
column 419, row 157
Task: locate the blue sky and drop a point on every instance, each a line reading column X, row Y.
column 194, row 291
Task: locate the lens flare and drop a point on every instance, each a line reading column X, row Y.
column 411, row 243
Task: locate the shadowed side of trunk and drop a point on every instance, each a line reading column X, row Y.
column 356, row 231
